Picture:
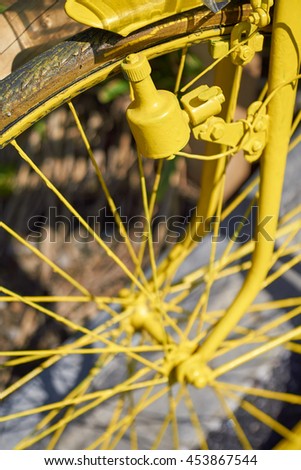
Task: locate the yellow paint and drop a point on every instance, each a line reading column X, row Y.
column 145, row 307
column 99, row 75
column 243, row 54
column 202, row 103
column 284, row 67
column 249, row 134
column 125, row 16
column 291, row 444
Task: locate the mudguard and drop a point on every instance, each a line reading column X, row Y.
column 126, row 16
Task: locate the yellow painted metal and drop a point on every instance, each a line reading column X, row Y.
column 284, row 68
column 188, row 365
column 212, row 171
column 243, row 54
column 125, row 16
column 100, row 75
column 161, row 129
column 106, row 191
column 291, row 444
column 60, row 196
column 158, row 124
column 219, row 48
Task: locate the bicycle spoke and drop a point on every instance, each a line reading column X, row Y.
column 91, row 351
column 238, row 230
column 148, row 234
column 84, row 341
column 123, row 425
column 180, row 70
column 167, row 419
column 89, row 229
column 290, row 215
column 204, row 298
column 99, row 300
column 294, row 347
column 295, row 143
column 110, row 433
column 181, row 251
column 283, row 269
column 197, row 277
column 75, row 327
column 172, row 404
column 114, row 420
column 262, row 393
column 101, row 396
column 211, row 270
column 79, row 391
column 110, row 393
column 267, row 420
column 161, row 318
column 152, row 201
column 261, row 334
column 275, row 304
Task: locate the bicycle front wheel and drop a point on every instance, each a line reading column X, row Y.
column 123, row 376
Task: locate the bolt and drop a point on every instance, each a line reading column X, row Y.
column 245, row 52
column 198, row 374
column 257, row 146
column 257, row 42
column 217, row 131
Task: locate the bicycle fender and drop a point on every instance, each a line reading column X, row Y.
column 125, row 16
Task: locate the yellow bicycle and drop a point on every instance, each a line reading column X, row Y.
column 176, row 358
